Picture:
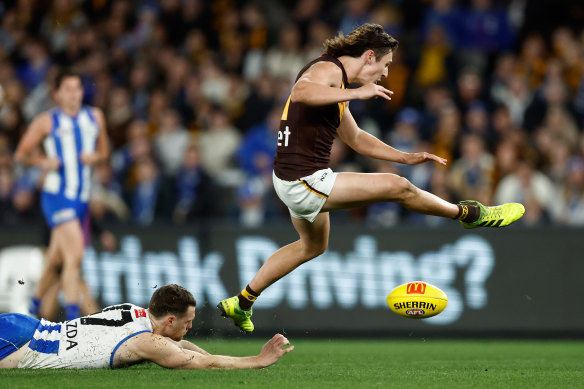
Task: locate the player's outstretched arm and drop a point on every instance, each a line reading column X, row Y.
column 321, row 85
column 191, row 346
column 167, row 353
column 370, row 146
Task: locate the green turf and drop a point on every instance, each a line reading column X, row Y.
column 415, row 363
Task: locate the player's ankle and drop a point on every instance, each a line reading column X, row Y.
column 247, row 297
column 468, row 213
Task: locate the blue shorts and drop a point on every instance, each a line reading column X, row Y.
column 15, row 331
column 58, row 209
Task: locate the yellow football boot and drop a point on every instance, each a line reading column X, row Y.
column 229, row 308
column 499, row 216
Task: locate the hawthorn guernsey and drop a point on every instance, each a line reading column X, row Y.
column 417, row 300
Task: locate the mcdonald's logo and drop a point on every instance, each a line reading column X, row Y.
column 416, row 288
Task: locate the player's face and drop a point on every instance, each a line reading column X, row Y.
column 181, row 325
column 70, row 94
column 376, row 69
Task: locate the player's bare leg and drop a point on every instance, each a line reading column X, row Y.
column 360, row 189
column 70, row 240
column 50, row 302
column 89, row 304
column 49, row 276
column 313, row 242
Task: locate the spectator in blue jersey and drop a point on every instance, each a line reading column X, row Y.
column 74, row 139
column 486, row 30
column 196, row 192
column 36, row 65
column 256, row 156
column 447, row 15
column 146, row 191
column 258, row 146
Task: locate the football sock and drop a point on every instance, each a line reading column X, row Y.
column 72, row 311
column 34, row 306
column 247, row 297
column 468, row 213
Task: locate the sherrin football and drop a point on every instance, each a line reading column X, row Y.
column 417, row 300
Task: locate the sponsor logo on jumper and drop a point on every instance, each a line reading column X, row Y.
column 71, row 332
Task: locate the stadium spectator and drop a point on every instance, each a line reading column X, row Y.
column 218, row 143
column 196, row 192
column 530, row 187
column 470, row 175
column 107, row 196
column 286, row 59
column 357, row 12
column 569, row 209
column 405, row 135
column 448, row 17
column 145, row 191
column 170, row 142
column 477, row 121
column 485, row 30
column 35, row 66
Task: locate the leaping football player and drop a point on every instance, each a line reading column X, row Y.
column 316, row 111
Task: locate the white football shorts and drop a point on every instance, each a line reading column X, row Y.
column 306, row 196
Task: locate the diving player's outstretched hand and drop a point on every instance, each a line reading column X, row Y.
column 274, row 349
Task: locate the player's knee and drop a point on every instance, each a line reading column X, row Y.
column 314, row 250
column 402, row 188
column 72, row 263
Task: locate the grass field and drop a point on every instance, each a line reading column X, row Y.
column 415, row 363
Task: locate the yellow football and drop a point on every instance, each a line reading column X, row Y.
column 417, row 300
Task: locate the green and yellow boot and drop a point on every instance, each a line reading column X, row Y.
column 229, row 308
column 498, row 216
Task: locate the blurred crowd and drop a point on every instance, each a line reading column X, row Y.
column 193, row 90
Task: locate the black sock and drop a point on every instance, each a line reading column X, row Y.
column 468, row 213
column 247, row 297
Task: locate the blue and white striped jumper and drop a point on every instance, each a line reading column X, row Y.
column 66, row 190
column 87, row 342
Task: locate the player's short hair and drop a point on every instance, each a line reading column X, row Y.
column 171, row 299
column 365, row 37
column 63, row 74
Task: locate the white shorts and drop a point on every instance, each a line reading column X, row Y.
column 306, row 196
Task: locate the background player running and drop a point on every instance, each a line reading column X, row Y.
column 318, row 110
column 74, row 139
